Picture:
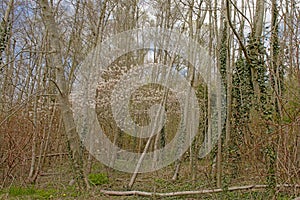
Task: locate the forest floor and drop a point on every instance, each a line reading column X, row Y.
column 54, row 183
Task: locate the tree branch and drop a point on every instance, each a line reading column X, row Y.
column 241, row 13
column 235, row 33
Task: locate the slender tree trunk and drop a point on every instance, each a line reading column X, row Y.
column 5, row 25
column 229, row 86
column 68, row 120
column 221, row 42
column 256, row 37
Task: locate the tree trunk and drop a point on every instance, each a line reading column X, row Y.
column 61, row 83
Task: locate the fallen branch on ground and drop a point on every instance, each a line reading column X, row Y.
column 182, row 193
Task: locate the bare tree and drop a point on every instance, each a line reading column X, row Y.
column 61, row 83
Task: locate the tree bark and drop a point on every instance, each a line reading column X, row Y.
column 196, row 192
column 61, row 82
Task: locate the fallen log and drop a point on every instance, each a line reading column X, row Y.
column 183, row 193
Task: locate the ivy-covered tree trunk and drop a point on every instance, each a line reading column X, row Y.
column 276, row 70
column 261, row 103
column 276, row 77
column 5, row 26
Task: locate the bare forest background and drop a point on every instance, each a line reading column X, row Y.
column 256, row 47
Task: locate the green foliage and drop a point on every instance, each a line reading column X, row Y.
column 271, row 158
column 4, row 30
column 71, row 191
column 223, row 55
column 242, row 102
column 242, row 91
column 98, row 179
column 31, row 191
column 20, row 191
column 46, row 194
